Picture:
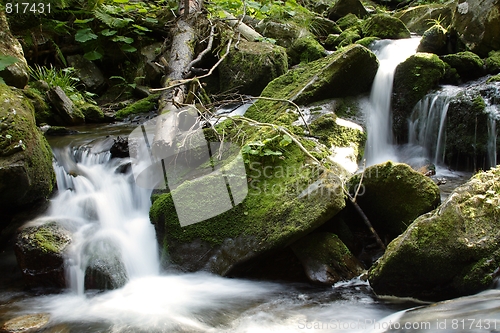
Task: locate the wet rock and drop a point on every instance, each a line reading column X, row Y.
column 15, row 74
column 385, row 27
column 59, row 131
column 119, row 147
column 92, row 113
column 66, row 112
column 88, row 73
column 413, row 79
column 105, row 269
column 393, row 195
column 492, row 63
column 477, row 24
column 449, row 252
column 342, row 8
column 26, row 324
column 40, row 254
column 251, row 67
column 26, row 173
column 144, row 105
column 148, row 72
column 434, row 40
column 326, row 259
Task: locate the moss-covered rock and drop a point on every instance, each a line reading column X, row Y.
column 43, row 113
column 449, row 252
column 419, row 19
column 325, row 258
column 492, row 63
column 413, row 78
column 251, row 67
column 477, row 24
column 393, row 195
column 434, row 40
column 350, row 21
column 305, row 49
column 347, row 37
column 347, row 72
column 385, row 27
column 342, row 8
column 322, row 27
column 26, row 174
column 92, row 113
column 65, row 111
column 285, row 33
column 367, row 41
column 17, row 73
column 144, row 105
column 40, row 252
column 468, row 65
column 495, row 78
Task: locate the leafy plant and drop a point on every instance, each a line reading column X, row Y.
column 269, row 147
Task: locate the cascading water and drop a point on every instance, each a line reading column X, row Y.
column 380, row 142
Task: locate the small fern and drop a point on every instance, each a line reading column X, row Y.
column 102, row 14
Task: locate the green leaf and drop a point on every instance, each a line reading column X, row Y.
column 285, row 141
column 117, row 77
column 150, row 20
column 128, row 48
column 93, row 55
column 1, row 80
column 84, row 35
column 141, row 28
column 127, row 40
column 120, row 1
column 6, row 61
column 77, row 21
column 107, row 32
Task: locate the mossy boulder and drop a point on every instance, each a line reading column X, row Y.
column 92, row 113
column 285, row 33
column 40, row 251
column 321, row 27
column 15, row 74
column 434, row 40
column 342, row 8
column 413, row 79
column 26, row 174
column 419, row 19
column 65, row 112
column 477, row 24
column 492, row 63
column 326, row 259
column 449, row 252
column 144, row 105
column 393, row 195
column 350, row 21
column 43, row 113
column 468, row 65
column 305, row 49
column 250, row 67
column 347, row 37
column 385, row 27
column 347, row 72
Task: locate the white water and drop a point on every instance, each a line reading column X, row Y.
column 380, row 141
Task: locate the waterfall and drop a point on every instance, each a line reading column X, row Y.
column 427, row 123
column 493, row 116
column 98, row 201
column 390, row 53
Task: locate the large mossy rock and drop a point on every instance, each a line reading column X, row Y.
column 413, row 79
column 393, row 195
column 305, row 49
column 420, row 18
column 16, row 74
column 347, row 72
column 434, row 40
column 492, row 63
column 26, row 173
column 40, row 252
column 285, row 33
column 326, row 259
column 250, row 67
column 449, row 252
column 467, row 65
column 385, row 27
column 342, row 8
column 477, row 23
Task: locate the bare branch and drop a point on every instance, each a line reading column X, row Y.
column 205, row 51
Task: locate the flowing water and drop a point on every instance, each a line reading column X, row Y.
column 380, row 143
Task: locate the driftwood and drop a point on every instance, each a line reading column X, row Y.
column 247, row 32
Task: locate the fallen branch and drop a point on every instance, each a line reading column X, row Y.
column 205, row 51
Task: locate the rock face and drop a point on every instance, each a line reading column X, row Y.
column 347, row 72
column 326, row 259
column 16, row 74
column 88, row 73
column 343, row 7
column 434, row 40
column 467, row 65
column 449, row 252
column 26, row 174
column 477, row 23
column 393, row 195
column 40, row 254
column 420, row 18
column 66, row 111
column 251, row 67
column 413, row 78
column 385, row 27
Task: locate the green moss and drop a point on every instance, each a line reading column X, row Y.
column 385, row 26
column 467, row 64
column 43, row 113
column 493, row 62
column 92, row 113
column 348, row 37
column 305, row 49
column 349, row 21
column 495, row 78
column 144, row 105
column 367, row 41
column 326, row 129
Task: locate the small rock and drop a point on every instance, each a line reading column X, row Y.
column 26, row 323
